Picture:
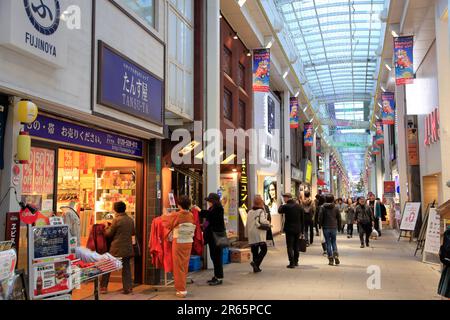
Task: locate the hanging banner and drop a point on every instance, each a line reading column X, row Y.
column 261, row 70
column 294, row 113
column 379, row 140
column 389, row 189
column 309, row 134
column 376, row 148
column 39, row 169
column 404, row 60
column 388, row 110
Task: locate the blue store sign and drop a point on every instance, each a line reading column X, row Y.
column 128, row 87
column 52, row 129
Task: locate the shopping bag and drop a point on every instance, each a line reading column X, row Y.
column 302, row 244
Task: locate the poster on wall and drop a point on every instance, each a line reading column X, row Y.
column 8, row 261
column 413, row 147
column 49, row 171
column 271, row 194
column 433, row 236
column 49, row 241
column 388, row 108
column 230, row 201
column 308, row 134
column 294, row 113
column 261, row 70
column 379, row 140
column 410, row 215
column 404, row 60
column 51, row 278
column 27, row 176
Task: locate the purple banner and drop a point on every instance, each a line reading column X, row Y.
column 404, row 60
column 388, row 108
column 294, row 113
column 127, row 87
column 67, row 132
column 261, row 70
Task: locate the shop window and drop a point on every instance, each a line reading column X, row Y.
column 241, row 76
column 227, row 60
column 228, row 105
column 242, row 110
column 145, row 9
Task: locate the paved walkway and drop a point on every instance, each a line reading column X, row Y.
column 403, row 276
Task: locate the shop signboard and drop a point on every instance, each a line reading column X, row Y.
column 380, row 133
column 51, row 129
column 294, row 113
column 389, row 189
column 413, row 147
column 230, row 201
column 433, row 236
column 261, row 70
column 49, row 241
column 432, row 128
column 410, row 215
column 3, row 117
column 308, row 134
column 127, row 87
column 404, row 60
column 388, row 108
column 243, row 195
column 51, row 278
column 13, row 229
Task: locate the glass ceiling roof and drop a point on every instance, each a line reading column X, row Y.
column 337, row 41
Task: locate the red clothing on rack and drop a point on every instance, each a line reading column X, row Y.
column 198, row 245
column 160, row 247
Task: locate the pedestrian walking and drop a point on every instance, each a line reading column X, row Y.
column 182, row 226
column 350, row 217
column 257, row 226
column 365, row 220
column 330, row 220
column 320, row 198
column 293, row 228
column 120, row 232
column 308, row 207
column 214, row 223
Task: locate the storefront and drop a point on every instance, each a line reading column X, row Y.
column 296, row 181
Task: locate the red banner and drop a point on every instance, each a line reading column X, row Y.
column 13, row 229
column 28, row 171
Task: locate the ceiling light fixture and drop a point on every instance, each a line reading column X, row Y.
column 241, row 2
column 235, row 37
column 383, row 89
column 285, row 73
column 229, row 159
column 268, row 42
column 394, row 34
column 388, row 67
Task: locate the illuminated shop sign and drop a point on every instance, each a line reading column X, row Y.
column 243, row 195
column 432, row 125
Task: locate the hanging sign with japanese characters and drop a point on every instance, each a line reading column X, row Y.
column 388, row 108
column 380, row 133
column 127, row 87
column 52, row 129
column 404, row 60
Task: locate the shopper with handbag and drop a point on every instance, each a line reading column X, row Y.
column 182, row 226
column 365, row 220
column 308, row 208
column 121, row 232
column 257, row 227
column 214, row 234
column 330, row 221
column 293, row 227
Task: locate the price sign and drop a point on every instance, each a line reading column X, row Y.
column 39, row 168
column 49, row 171
column 49, row 241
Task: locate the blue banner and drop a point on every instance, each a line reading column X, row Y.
column 294, row 113
column 308, row 134
column 404, row 60
column 127, row 87
column 62, row 131
column 388, row 108
column 261, row 70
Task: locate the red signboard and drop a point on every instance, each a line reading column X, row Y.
column 13, row 229
column 39, row 169
column 27, row 179
column 49, row 171
column 389, row 189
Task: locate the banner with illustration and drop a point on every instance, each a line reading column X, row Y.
column 309, row 134
column 404, row 60
column 261, row 70
column 376, row 148
column 294, row 113
column 388, row 108
column 379, row 138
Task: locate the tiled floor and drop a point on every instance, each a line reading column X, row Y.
column 403, row 276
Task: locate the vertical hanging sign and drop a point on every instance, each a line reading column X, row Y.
column 404, row 60
column 308, row 134
column 261, row 70
column 380, row 133
column 388, row 110
column 294, row 113
column 376, row 148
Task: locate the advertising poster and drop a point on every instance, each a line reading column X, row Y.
column 388, row 108
column 230, row 201
column 379, row 140
column 410, row 215
column 261, row 70
column 39, row 168
column 8, row 261
column 271, row 194
column 51, row 278
column 28, row 172
column 413, row 147
column 389, row 189
column 49, row 241
column 433, row 237
column 49, row 171
column 294, row 113
column 404, row 60
column 309, row 134
column 308, row 175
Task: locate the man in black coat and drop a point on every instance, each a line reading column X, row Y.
column 293, row 227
